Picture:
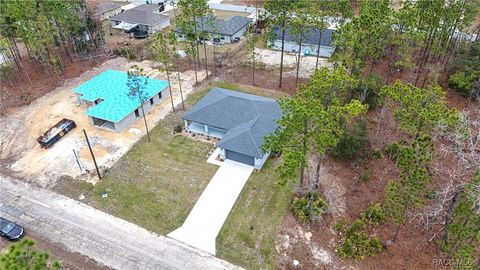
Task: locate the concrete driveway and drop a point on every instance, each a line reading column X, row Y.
column 204, row 222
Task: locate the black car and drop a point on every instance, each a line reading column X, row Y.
column 10, row 230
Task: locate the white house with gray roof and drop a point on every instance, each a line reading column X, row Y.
column 146, row 18
column 239, row 120
column 221, row 31
column 310, row 39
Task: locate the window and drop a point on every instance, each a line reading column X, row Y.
column 151, row 101
column 222, row 38
column 160, row 95
column 137, row 114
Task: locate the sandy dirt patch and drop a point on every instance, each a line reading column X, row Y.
column 20, row 152
column 271, row 58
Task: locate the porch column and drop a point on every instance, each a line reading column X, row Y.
column 186, row 124
column 206, row 129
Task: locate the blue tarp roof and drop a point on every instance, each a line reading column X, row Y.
column 111, row 88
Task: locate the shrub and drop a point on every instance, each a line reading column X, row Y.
column 368, row 91
column 431, row 194
column 177, row 129
column 465, row 84
column 309, row 206
column 340, row 225
column 393, row 150
column 465, row 72
column 131, row 55
column 376, row 153
column 374, row 214
column 366, row 175
column 351, row 142
column 355, row 244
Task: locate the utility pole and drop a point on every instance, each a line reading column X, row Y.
column 91, row 152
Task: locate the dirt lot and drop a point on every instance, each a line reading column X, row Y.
column 34, row 83
column 307, row 64
column 21, row 153
column 223, row 14
column 239, row 70
column 313, row 245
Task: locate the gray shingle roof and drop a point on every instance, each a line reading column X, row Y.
column 310, row 36
column 246, row 118
column 228, row 27
column 103, row 6
column 147, row 7
column 140, row 15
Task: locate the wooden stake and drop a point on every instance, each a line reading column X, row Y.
column 91, row 152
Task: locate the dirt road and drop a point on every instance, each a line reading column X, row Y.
column 109, row 240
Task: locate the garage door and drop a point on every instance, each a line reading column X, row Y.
column 240, row 157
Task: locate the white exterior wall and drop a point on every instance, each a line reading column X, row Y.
column 240, row 33
column 149, row 28
column 158, row 27
column 226, row 38
column 260, row 161
column 110, row 13
column 291, row 46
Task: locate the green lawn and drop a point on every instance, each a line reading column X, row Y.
column 156, row 184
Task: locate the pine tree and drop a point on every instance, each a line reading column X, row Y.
column 312, row 121
column 463, row 232
column 419, row 111
column 161, row 53
column 408, row 192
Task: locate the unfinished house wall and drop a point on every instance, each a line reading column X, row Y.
column 126, row 122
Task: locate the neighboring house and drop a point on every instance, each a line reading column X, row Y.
column 105, row 10
column 221, row 31
column 239, row 120
column 309, row 41
column 146, row 18
column 109, row 105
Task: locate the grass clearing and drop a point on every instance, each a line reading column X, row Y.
column 248, row 236
column 155, row 185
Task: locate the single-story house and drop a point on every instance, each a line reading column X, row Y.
column 310, row 39
column 146, row 18
column 239, row 120
column 221, row 31
column 108, row 103
column 106, row 9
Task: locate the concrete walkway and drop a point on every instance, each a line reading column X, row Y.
column 204, row 222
